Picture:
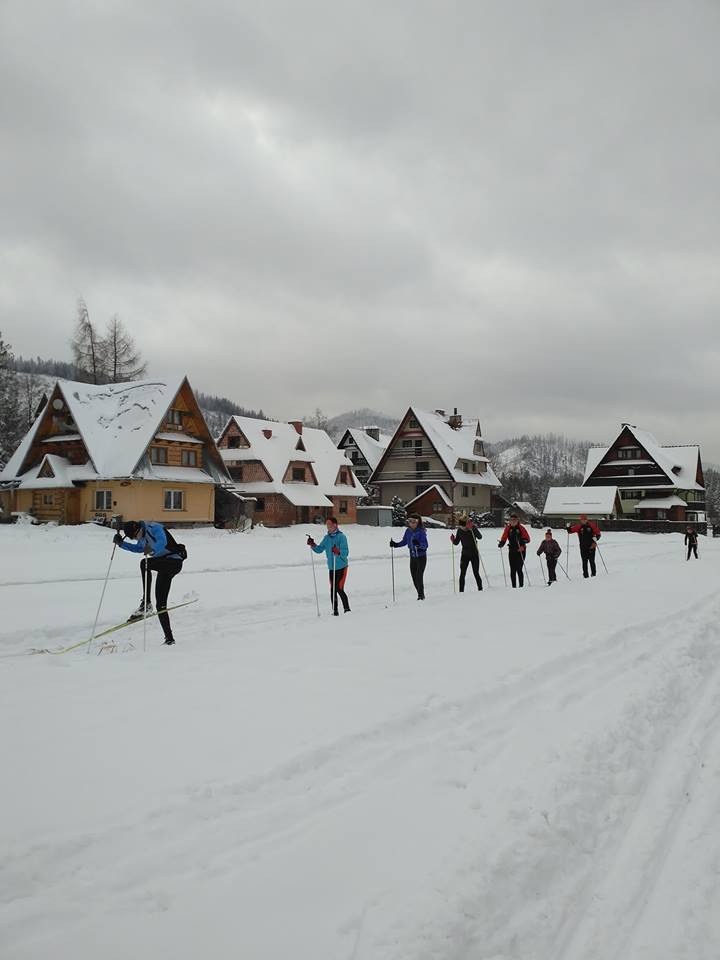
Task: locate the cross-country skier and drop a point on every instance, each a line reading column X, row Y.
column 335, row 547
column 163, row 555
column 551, row 548
column 468, row 535
column 588, row 535
column 415, row 539
column 691, row 541
column 517, row 539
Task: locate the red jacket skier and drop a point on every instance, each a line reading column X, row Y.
column 517, row 539
column 588, row 535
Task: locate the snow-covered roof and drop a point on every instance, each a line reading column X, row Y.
column 279, row 450
column 678, row 463
column 569, row 501
column 660, row 503
column 455, row 445
column 64, row 473
column 527, row 507
column 116, row 422
column 177, row 437
column 440, row 492
column 368, row 446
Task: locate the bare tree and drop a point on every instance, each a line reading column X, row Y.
column 122, row 358
column 32, row 391
column 88, row 348
column 11, row 422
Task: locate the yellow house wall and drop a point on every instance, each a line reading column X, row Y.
column 140, row 500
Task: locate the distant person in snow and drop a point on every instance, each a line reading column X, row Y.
column 468, row 535
column 517, row 539
column 691, row 541
column 164, row 556
column 588, row 535
column 551, row 548
column 335, row 547
column 415, row 539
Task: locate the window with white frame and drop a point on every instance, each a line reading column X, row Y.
column 174, row 500
column 103, row 499
column 189, row 458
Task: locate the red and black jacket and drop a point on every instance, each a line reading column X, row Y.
column 516, row 537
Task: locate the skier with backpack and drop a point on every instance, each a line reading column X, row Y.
column 517, row 539
column 415, row 539
column 164, row 555
column 468, row 535
column 335, row 547
column 588, row 535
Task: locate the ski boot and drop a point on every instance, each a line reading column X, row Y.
column 143, row 610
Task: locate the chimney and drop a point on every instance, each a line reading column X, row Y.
column 455, row 421
column 267, row 434
column 373, row 432
column 440, row 413
column 297, row 424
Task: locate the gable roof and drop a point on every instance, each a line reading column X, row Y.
column 439, row 490
column 116, row 422
column 279, row 450
column 527, row 507
column 368, row 446
column 450, row 445
column 678, row 463
column 596, row 501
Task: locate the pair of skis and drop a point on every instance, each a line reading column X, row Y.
column 111, row 630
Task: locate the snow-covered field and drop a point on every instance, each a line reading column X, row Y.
column 514, row 774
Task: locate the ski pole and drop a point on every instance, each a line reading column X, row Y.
column 145, row 604
column 502, row 557
column 563, row 570
column 597, row 547
column 102, row 595
column 333, row 592
column 317, row 599
column 542, row 569
column 482, row 564
column 392, row 569
column 525, row 568
column 452, row 551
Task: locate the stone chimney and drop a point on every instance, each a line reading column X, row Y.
column 298, row 426
column 373, row 432
column 455, row 421
column 267, row 434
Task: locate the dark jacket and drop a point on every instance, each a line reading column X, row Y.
column 587, row 533
column 468, row 537
column 691, row 539
column 551, row 549
column 516, row 538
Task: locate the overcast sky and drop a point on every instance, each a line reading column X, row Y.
column 512, row 208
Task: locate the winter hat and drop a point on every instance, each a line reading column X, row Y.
column 131, row 528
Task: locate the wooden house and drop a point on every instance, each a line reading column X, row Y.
column 655, row 482
column 138, row 450
column 294, row 473
column 436, row 463
column 364, row 447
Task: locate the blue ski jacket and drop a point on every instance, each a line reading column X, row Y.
column 152, row 536
column 330, row 540
column 415, row 540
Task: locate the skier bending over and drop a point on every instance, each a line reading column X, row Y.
column 468, row 535
column 517, row 539
column 551, row 548
column 691, row 542
column 163, row 555
column 588, row 535
column 335, row 546
column 415, row 539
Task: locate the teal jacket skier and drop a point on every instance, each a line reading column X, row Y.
column 335, row 547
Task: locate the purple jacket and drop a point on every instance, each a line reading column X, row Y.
column 551, row 549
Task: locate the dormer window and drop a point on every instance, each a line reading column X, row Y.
column 298, row 473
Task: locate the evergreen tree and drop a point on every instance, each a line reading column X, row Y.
column 11, row 422
column 399, row 513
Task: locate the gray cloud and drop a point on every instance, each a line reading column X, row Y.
column 511, row 208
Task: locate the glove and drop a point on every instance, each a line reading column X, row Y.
column 501, row 544
column 336, row 551
column 117, row 539
column 392, row 543
column 452, row 539
column 310, row 542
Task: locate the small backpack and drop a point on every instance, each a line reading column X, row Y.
column 174, row 547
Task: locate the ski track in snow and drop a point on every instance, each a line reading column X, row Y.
column 562, row 801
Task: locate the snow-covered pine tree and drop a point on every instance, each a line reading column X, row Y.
column 399, row 513
column 11, row 420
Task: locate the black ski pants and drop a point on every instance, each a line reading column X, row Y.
column 552, row 567
column 165, row 569
column 417, row 572
column 692, row 549
column 473, row 560
column 337, row 589
column 587, row 555
column 517, row 562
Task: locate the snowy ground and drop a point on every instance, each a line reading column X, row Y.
column 517, row 774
